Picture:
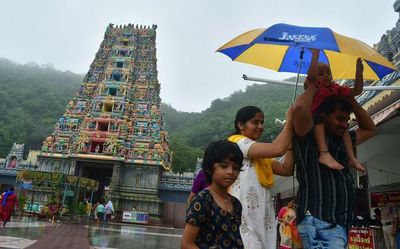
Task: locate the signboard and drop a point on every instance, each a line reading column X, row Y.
column 361, row 238
column 33, row 208
column 382, row 199
column 26, row 184
column 69, row 193
column 135, row 217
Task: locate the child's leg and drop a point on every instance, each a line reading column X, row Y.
column 324, row 155
column 350, row 153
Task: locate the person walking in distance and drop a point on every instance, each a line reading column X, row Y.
column 8, row 203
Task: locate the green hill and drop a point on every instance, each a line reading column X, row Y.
column 33, row 97
column 190, row 133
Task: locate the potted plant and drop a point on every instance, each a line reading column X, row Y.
column 21, row 203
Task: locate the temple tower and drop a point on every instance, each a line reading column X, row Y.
column 112, row 129
column 389, row 45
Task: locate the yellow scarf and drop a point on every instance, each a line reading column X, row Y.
column 263, row 166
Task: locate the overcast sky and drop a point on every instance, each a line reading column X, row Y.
column 68, row 33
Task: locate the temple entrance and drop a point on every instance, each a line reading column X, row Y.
column 99, row 171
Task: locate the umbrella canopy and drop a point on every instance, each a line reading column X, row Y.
column 279, row 48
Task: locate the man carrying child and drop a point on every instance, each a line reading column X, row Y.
column 326, row 195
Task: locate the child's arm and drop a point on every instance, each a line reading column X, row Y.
column 359, row 82
column 189, row 236
column 313, row 69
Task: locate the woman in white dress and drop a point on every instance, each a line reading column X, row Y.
column 252, row 187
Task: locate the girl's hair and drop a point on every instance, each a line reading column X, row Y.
column 218, row 152
column 245, row 114
column 292, row 204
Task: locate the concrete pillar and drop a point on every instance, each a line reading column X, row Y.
column 115, row 177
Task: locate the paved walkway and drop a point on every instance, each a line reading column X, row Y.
column 64, row 236
column 9, row 242
column 27, row 233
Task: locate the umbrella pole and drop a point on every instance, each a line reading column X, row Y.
column 293, row 99
column 298, row 74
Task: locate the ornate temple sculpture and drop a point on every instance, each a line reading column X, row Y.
column 112, row 129
column 389, row 45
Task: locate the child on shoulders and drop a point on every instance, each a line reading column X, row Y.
column 320, row 74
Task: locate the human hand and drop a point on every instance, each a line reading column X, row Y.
column 289, row 115
column 359, row 66
column 314, row 51
column 352, row 100
column 361, row 168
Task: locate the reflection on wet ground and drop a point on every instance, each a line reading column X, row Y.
column 127, row 236
column 25, row 228
column 24, row 232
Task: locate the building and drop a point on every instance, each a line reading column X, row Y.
column 381, row 153
column 112, row 130
column 174, row 188
column 174, row 192
column 10, row 164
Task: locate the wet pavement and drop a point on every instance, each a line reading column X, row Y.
column 127, row 236
column 25, row 232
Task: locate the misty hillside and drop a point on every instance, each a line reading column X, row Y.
column 33, row 97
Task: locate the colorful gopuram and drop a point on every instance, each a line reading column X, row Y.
column 389, row 45
column 112, row 129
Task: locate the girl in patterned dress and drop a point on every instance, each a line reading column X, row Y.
column 213, row 217
column 252, row 187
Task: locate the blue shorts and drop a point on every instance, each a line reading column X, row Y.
column 318, row 234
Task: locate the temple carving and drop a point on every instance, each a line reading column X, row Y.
column 112, row 129
column 389, row 45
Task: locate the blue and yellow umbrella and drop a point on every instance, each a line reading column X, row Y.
column 280, row 46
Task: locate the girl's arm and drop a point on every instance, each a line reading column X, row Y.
column 189, row 236
column 285, row 168
column 190, row 198
column 278, row 147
